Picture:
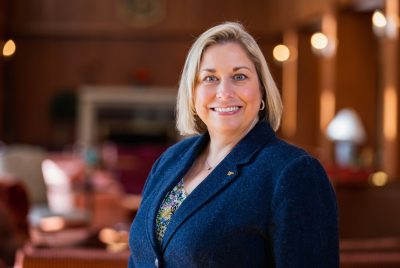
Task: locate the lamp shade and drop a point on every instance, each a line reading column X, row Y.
column 346, row 126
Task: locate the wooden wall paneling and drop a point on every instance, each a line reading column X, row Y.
column 285, row 14
column 102, row 17
column 44, row 68
column 398, row 101
column 308, row 94
column 2, row 36
column 289, row 86
column 64, row 45
column 96, row 17
column 357, row 71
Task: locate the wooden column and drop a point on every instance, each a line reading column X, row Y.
column 389, row 95
column 2, row 33
column 289, row 87
column 327, row 86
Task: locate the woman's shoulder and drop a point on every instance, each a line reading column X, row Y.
column 294, row 162
column 279, row 155
column 273, row 150
column 281, row 150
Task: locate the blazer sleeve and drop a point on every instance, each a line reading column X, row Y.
column 304, row 224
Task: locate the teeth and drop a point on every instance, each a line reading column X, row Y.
column 227, row 109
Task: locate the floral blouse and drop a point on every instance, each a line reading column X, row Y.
column 170, row 204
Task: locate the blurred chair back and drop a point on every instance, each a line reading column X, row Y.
column 24, row 163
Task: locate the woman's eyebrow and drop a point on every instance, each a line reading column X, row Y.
column 241, row 67
column 209, row 70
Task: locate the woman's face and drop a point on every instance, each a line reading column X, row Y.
column 227, row 93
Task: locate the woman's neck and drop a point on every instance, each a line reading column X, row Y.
column 221, row 145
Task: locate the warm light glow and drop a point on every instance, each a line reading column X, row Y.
column 378, row 19
column 281, row 53
column 327, row 110
column 108, row 236
column 325, row 42
column 51, row 224
column 9, row 48
column 386, row 24
column 115, row 240
column 319, row 40
column 390, row 113
column 379, row 178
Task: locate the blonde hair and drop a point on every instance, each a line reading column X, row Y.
column 188, row 123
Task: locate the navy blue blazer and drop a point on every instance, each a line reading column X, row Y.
column 267, row 204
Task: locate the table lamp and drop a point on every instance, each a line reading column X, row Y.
column 346, row 131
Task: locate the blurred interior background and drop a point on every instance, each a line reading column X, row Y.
column 87, row 95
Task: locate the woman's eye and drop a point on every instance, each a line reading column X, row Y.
column 239, row 77
column 210, row 78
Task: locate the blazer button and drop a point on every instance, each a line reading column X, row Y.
column 156, row 262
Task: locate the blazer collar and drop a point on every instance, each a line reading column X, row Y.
column 251, row 143
column 217, row 180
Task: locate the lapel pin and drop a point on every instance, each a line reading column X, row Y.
column 230, row 173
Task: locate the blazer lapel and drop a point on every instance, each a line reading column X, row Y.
column 226, row 172
column 168, row 179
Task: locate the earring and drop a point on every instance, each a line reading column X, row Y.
column 262, row 105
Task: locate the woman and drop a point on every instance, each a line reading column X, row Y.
column 234, row 195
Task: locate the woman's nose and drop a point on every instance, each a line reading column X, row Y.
column 224, row 90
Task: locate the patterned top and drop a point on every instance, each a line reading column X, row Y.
column 170, row 204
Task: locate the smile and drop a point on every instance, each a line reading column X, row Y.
column 226, row 109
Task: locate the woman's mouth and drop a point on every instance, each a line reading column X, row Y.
column 226, row 109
